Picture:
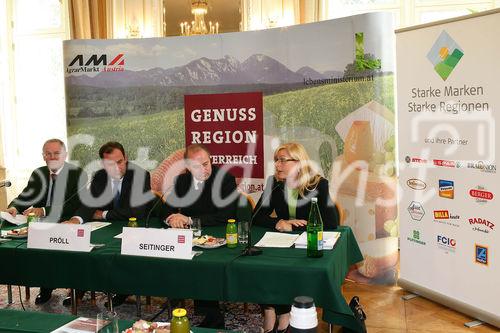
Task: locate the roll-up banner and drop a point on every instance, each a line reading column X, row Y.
column 327, row 85
column 448, row 103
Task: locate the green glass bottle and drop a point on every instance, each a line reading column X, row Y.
column 314, row 231
column 231, row 233
column 180, row 321
column 132, row 222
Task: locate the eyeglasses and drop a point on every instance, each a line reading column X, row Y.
column 284, row 160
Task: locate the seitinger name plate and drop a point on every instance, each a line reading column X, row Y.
column 163, row 243
column 56, row 236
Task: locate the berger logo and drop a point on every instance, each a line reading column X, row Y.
column 446, row 243
column 481, row 195
column 415, row 238
column 181, row 239
column 446, row 189
column 481, row 225
column 444, row 163
column 416, row 184
column 445, row 55
column 441, row 214
column 416, row 210
column 481, row 254
column 96, row 63
column 483, row 167
column 80, row 233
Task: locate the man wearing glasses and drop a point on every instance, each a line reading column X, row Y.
column 51, row 192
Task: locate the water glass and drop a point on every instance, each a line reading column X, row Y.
column 196, row 226
column 107, row 322
column 243, row 232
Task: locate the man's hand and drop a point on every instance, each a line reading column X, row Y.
column 178, row 221
column 12, row 211
column 72, row 220
column 37, row 211
column 98, row 215
column 287, row 225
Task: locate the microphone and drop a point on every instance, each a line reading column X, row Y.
column 160, row 199
column 5, row 183
column 252, row 250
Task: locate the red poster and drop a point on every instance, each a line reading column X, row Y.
column 231, row 127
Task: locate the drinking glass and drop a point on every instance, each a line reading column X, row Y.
column 243, row 232
column 196, row 226
column 107, row 322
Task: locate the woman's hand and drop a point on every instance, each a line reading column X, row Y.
column 287, row 225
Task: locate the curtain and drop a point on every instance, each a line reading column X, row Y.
column 88, row 19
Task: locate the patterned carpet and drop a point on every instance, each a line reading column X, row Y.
column 235, row 316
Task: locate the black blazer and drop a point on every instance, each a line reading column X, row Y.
column 66, row 199
column 273, row 199
column 135, row 195
column 190, row 202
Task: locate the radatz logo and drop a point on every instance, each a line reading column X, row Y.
column 481, row 224
column 96, row 63
column 446, row 243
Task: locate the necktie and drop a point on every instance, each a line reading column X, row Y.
column 53, row 178
column 116, row 193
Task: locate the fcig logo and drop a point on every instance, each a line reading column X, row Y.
column 96, row 63
column 445, row 55
column 481, row 255
column 446, row 243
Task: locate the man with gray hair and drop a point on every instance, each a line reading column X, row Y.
column 51, row 192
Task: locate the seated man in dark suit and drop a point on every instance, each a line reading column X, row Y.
column 117, row 192
column 205, row 191
column 51, row 192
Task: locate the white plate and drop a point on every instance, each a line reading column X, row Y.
column 14, row 236
column 220, row 243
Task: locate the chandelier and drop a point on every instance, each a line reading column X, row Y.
column 199, row 9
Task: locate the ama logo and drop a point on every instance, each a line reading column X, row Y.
column 446, row 189
column 445, row 55
column 96, row 63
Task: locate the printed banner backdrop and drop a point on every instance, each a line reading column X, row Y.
column 447, row 101
column 327, row 85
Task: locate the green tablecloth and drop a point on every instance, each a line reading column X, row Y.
column 41, row 322
column 277, row 276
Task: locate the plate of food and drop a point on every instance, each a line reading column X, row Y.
column 143, row 326
column 208, row 242
column 17, row 233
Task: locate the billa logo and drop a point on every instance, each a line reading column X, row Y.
column 80, row 233
column 481, row 225
column 482, row 256
column 446, row 189
column 416, row 184
column 441, row 214
column 445, row 55
column 416, row 210
column 480, row 194
column 444, row 163
column 96, row 63
column 483, row 167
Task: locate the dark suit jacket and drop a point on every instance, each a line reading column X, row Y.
column 202, row 203
column 66, row 199
column 276, row 201
column 135, row 195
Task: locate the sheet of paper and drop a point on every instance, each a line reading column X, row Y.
column 277, row 239
column 329, row 240
column 98, row 225
column 18, row 220
column 80, row 325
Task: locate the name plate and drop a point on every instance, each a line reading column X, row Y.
column 163, row 243
column 56, row 236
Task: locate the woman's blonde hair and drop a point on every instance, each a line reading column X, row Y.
column 308, row 177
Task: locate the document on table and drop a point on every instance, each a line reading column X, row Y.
column 81, row 325
column 94, row 225
column 277, row 239
column 329, row 240
column 18, row 220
